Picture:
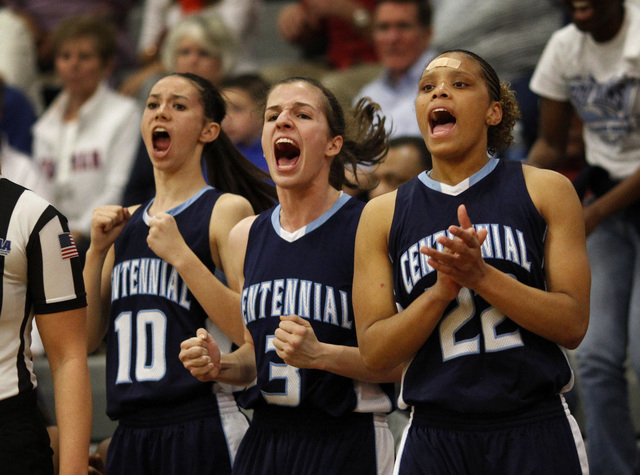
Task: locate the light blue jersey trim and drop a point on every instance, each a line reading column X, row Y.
column 178, row 209
column 464, row 185
column 297, row 234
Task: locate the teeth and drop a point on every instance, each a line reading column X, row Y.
column 159, row 129
column 435, row 112
column 283, row 140
column 580, row 4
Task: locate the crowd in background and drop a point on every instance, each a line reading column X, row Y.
column 75, row 77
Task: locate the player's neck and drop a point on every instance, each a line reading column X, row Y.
column 301, row 207
column 452, row 171
column 171, row 192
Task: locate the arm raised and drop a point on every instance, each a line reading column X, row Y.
column 388, row 338
column 561, row 312
column 106, row 225
column 221, row 303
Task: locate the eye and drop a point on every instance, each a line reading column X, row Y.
column 152, row 105
column 302, row 115
column 271, row 117
column 459, row 84
column 426, row 87
column 179, row 106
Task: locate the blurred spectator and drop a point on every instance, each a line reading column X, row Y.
column 510, row 35
column 16, row 165
column 159, row 17
column 18, row 119
column 198, row 44
column 335, row 44
column 592, row 67
column 44, row 16
column 406, row 158
column 86, row 140
column 18, row 56
column 335, row 32
column 401, row 35
column 244, row 96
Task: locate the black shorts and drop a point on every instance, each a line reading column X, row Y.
column 290, row 441
column 24, row 441
column 544, row 441
column 178, row 440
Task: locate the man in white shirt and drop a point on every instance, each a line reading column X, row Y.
column 592, row 66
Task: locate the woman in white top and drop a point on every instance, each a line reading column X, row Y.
column 86, row 140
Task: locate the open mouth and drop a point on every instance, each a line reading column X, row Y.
column 287, row 153
column 161, row 139
column 442, row 121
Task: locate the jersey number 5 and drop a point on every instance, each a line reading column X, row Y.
column 490, row 319
column 291, row 377
column 150, row 339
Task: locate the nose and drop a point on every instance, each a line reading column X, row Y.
column 440, row 90
column 162, row 111
column 283, row 120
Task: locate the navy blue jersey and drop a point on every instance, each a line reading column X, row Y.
column 476, row 359
column 153, row 311
column 308, row 273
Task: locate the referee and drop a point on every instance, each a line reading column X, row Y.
column 41, row 276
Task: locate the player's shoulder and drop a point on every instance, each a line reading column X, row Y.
column 240, row 232
column 232, row 203
column 544, row 178
column 378, row 212
column 549, row 189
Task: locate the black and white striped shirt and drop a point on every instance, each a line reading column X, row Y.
column 41, row 274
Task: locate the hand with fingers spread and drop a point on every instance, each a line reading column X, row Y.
column 201, row 356
column 296, row 342
column 461, row 258
column 106, row 225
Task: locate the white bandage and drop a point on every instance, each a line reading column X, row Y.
column 444, row 63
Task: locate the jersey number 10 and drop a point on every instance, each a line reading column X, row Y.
column 150, row 338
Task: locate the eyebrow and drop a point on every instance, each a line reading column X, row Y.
column 295, row 104
column 173, row 96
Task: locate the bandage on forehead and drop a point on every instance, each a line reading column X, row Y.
column 444, row 63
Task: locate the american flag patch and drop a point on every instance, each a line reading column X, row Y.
column 67, row 246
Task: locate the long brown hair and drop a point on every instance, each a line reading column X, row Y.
column 227, row 168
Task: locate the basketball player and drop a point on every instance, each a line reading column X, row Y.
column 151, row 284
column 474, row 277
column 317, row 408
column 41, row 275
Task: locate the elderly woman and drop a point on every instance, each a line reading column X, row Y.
column 86, row 141
column 201, row 44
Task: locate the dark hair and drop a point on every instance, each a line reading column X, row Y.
column 100, row 30
column 364, row 138
column 499, row 136
column 418, row 144
column 227, row 168
column 425, row 12
column 253, row 84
